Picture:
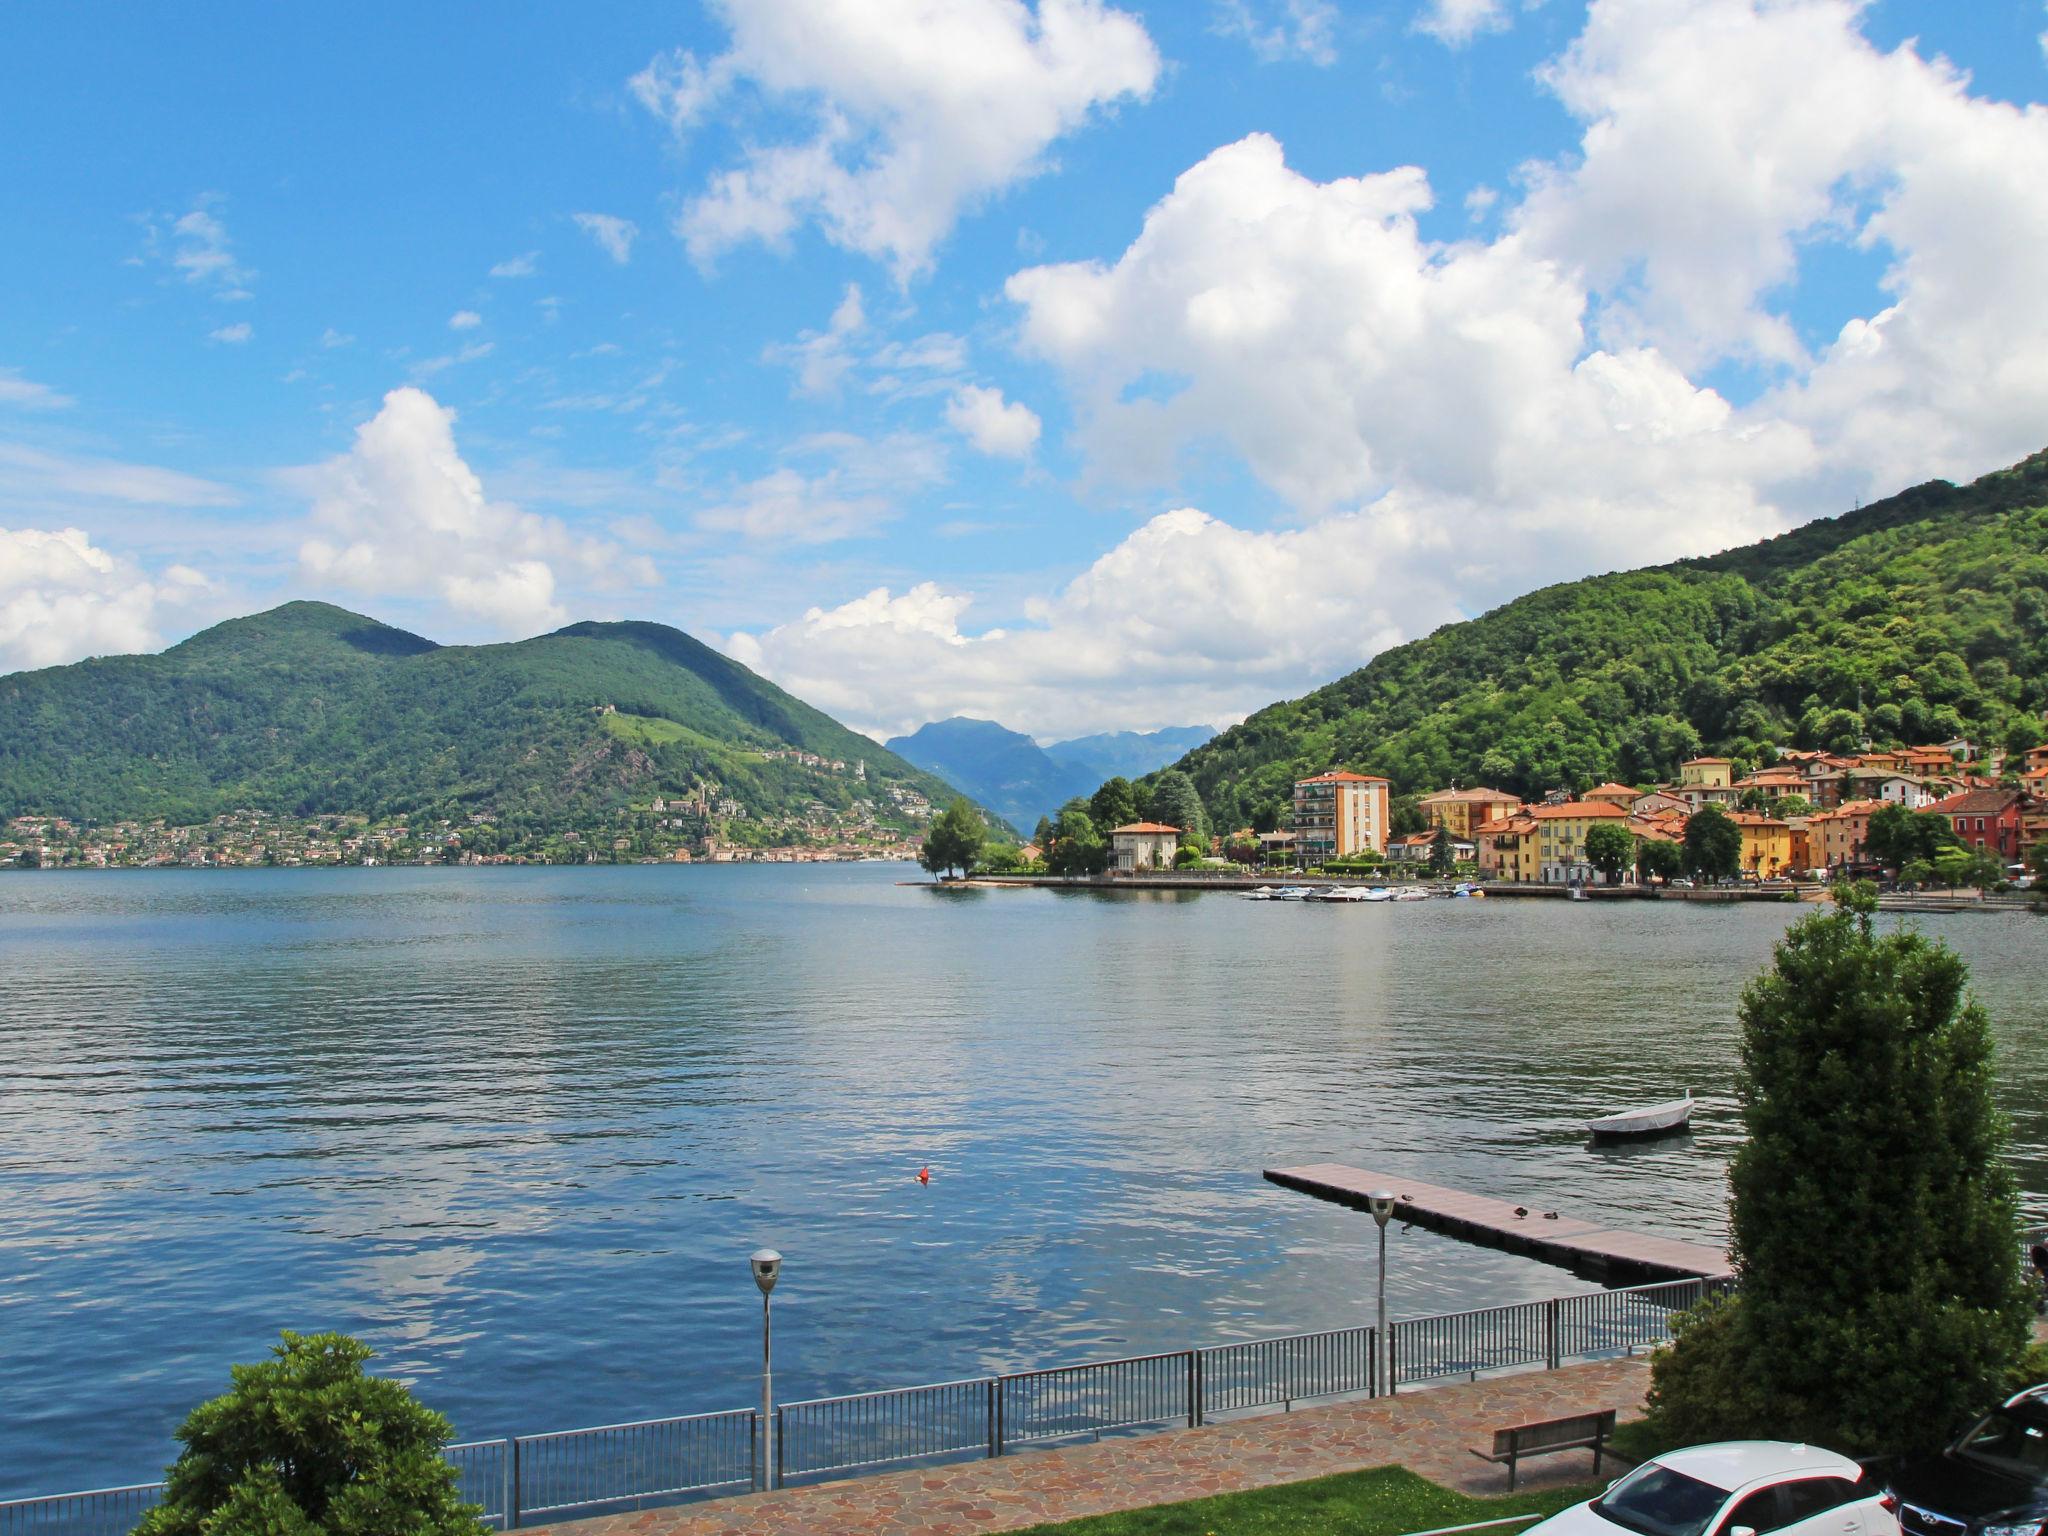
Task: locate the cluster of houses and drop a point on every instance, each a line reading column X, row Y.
column 1807, row 813
column 1510, row 840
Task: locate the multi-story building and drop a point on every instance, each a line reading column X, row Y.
column 1619, row 794
column 1707, row 781
column 1988, row 820
column 1507, row 847
column 1337, row 814
column 1766, row 844
column 1462, row 812
column 1143, row 845
column 1838, row 837
column 1560, row 841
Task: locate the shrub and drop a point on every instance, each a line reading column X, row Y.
column 305, row 1444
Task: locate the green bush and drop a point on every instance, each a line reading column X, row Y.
column 305, row 1444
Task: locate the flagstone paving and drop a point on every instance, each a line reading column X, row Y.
column 1430, row 1431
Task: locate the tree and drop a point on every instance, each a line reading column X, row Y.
column 954, row 840
column 1871, row 1211
column 1041, row 835
column 1114, row 805
column 1657, row 859
column 1077, row 848
column 1898, row 836
column 305, row 1444
column 1958, row 865
column 1713, row 843
column 1441, row 855
column 1175, row 801
column 1609, row 848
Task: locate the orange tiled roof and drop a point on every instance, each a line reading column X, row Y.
column 1342, row 776
column 1573, row 808
column 1144, row 826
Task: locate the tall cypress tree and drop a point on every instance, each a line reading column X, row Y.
column 1873, row 1218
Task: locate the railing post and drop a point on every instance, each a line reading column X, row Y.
column 1550, row 1331
column 778, row 1448
column 999, row 1416
column 995, row 1422
column 1393, row 1359
column 511, row 1482
column 1194, row 1388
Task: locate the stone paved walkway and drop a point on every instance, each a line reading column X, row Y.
column 1429, row 1431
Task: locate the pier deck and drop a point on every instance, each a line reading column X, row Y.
column 1555, row 1237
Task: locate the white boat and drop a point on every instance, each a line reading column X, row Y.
column 1411, row 893
column 1378, row 893
column 1263, row 893
column 1289, row 893
column 1341, row 893
column 1650, row 1120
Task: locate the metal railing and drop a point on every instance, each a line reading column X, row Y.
column 1540, row 1333
column 615, row 1466
column 99, row 1512
column 872, row 1429
column 620, row 1466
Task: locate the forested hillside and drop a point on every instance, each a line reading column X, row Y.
column 309, row 709
column 1908, row 621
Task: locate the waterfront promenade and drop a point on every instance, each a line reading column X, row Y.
column 1431, row 1432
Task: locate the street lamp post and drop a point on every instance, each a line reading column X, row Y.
column 767, row 1265
column 1381, row 1203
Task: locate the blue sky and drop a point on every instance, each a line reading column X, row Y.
column 1080, row 365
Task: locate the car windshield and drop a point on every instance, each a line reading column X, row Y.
column 2006, row 1442
column 1656, row 1501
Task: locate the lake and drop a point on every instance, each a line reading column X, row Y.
column 520, row 1128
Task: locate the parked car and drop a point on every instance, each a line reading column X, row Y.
column 1736, row 1488
column 1992, row 1482
column 1680, row 884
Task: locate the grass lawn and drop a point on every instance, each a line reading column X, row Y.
column 1380, row 1501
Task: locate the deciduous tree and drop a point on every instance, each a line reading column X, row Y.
column 305, row 1444
column 954, row 840
column 1609, row 848
column 1713, row 843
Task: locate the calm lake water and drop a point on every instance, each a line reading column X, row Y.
column 520, row 1128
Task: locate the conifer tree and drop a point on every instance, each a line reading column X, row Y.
column 1873, row 1217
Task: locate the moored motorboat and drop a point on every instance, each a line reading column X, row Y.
column 1411, row 893
column 1650, row 1120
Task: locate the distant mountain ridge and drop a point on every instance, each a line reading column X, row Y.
column 1913, row 620
column 311, row 709
column 1021, row 781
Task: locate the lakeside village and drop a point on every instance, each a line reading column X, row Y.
column 705, row 824
column 1941, row 815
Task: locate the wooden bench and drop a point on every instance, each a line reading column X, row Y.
column 1582, row 1431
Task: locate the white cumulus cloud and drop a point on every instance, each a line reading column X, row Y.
column 63, row 598
column 1004, row 429
column 524, row 265
column 26, row 394
column 614, row 234
column 232, row 335
column 402, row 514
column 919, row 109
column 465, row 320
column 1283, row 29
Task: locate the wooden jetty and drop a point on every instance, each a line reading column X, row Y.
column 1557, row 1238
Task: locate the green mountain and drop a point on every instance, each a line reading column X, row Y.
column 310, row 709
column 1918, row 618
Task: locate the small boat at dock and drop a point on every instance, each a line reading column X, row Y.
column 1665, row 1119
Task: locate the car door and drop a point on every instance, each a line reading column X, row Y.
column 1825, row 1506
column 1761, row 1512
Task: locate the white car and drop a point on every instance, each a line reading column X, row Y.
column 1736, row 1488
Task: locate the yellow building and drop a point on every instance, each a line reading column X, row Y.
column 1617, row 794
column 1707, row 781
column 1560, row 840
column 1766, row 844
column 1338, row 814
column 1462, row 812
column 1507, row 847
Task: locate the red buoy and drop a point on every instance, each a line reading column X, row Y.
column 924, row 1174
